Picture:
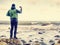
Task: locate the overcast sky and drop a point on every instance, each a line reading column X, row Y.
column 33, row 10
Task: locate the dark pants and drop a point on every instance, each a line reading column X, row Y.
column 14, row 24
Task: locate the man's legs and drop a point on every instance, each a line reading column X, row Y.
column 11, row 30
column 15, row 31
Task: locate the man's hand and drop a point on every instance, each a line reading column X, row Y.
column 20, row 6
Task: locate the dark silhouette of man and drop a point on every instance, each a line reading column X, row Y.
column 13, row 13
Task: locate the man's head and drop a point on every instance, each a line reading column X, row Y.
column 13, row 6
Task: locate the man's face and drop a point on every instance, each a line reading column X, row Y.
column 13, row 6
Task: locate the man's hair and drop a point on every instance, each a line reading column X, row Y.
column 13, row 6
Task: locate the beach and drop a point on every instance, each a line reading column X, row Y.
column 32, row 32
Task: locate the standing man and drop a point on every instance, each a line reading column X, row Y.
column 13, row 13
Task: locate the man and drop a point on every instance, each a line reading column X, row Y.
column 13, row 13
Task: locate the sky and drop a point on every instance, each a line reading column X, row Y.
column 32, row 10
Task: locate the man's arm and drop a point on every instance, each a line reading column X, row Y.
column 19, row 11
column 8, row 14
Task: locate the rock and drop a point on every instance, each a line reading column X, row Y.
column 36, row 29
column 30, row 40
column 51, row 41
column 26, row 44
column 23, row 41
column 58, row 42
column 36, row 43
column 2, row 36
column 30, row 35
column 3, row 39
column 40, row 32
column 42, row 38
column 3, row 43
column 57, row 36
column 12, row 41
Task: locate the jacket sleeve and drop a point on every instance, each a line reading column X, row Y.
column 19, row 11
column 8, row 14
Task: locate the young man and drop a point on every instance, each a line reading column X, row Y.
column 13, row 13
